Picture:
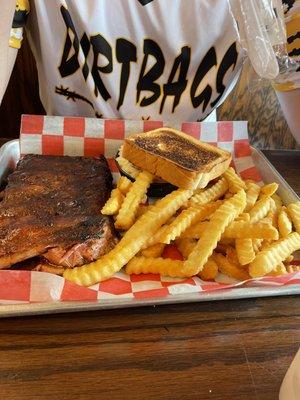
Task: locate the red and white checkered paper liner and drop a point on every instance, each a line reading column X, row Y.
column 76, row 136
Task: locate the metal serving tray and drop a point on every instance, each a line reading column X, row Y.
column 10, row 154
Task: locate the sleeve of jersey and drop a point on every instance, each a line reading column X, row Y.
column 293, row 44
column 19, row 21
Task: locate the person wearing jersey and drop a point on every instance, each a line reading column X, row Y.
column 175, row 60
column 137, row 59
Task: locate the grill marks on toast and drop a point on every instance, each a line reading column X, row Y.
column 177, row 149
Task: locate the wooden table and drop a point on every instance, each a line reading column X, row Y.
column 222, row 350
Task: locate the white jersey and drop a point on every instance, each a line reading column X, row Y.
column 134, row 59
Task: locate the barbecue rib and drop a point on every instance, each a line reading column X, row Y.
column 51, row 206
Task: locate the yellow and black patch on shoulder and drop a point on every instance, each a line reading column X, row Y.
column 21, row 13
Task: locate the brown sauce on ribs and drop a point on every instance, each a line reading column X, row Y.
column 51, row 206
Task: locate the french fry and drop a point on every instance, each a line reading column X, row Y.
column 195, row 231
column 183, row 221
column 242, row 226
column 231, row 255
column 199, row 190
column 124, row 184
column 153, row 251
column 269, row 190
column 277, row 201
column 292, row 268
column 245, row 251
column 248, row 182
column 284, row 223
column 243, row 217
column 210, row 270
column 142, row 210
column 185, row 246
column 276, row 253
column 187, row 224
column 289, row 259
column 230, row 269
column 260, row 209
column 245, row 230
column 252, row 193
column 162, row 266
column 236, row 230
column 127, row 167
column 266, row 244
column 213, row 193
column 273, row 210
column 205, row 210
column 130, row 205
column 271, row 218
column 144, row 199
column 234, row 181
column 156, row 237
column 228, row 195
column 219, row 221
column 131, row 243
column 114, row 203
column 280, row 269
column 294, row 213
column 257, row 243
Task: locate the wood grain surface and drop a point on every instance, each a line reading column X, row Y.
column 225, row 350
column 218, row 350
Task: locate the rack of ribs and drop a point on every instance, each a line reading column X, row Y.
column 51, row 208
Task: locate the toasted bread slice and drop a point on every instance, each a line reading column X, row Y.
column 176, row 157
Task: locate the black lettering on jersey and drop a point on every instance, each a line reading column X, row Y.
column 85, row 45
column 101, row 46
column 288, row 4
column 144, row 2
column 229, row 60
column 125, row 53
column 69, row 63
column 294, row 53
column 292, row 38
column 147, row 80
column 176, row 88
column 208, row 62
column 148, row 90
